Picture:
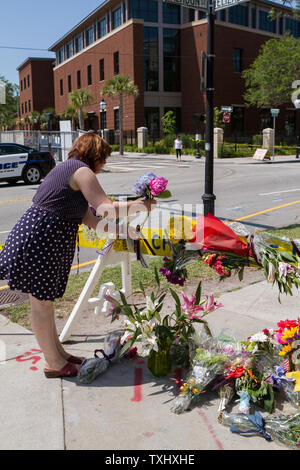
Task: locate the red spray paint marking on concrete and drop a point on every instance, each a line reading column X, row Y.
column 211, row 430
column 138, row 377
column 34, row 359
column 178, row 378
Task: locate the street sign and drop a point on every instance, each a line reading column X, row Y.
column 275, row 112
column 226, row 109
column 195, row 4
column 226, row 117
column 220, row 4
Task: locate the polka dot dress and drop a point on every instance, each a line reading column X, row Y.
column 40, row 249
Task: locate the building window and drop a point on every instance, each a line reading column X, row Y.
column 103, row 120
column 69, row 50
column 152, row 119
column 116, row 119
column 117, row 18
column 253, row 18
column 61, row 87
column 28, row 81
column 25, row 106
column 191, row 14
column 266, row 23
column 265, row 119
column 29, row 106
column 237, row 59
column 24, row 83
column 151, row 68
column 280, row 25
column 171, row 13
column 201, row 14
column 101, row 26
column 69, row 83
column 144, row 9
column 237, row 120
column 61, row 55
column 292, row 26
column 238, row 15
column 222, row 14
column 78, row 79
column 22, row 108
column 89, row 74
column 116, row 63
column 78, row 43
column 171, row 53
column 21, row 85
column 89, row 36
column 101, row 69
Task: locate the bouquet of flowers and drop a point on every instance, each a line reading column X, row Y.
column 145, row 322
column 282, row 428
column 93, row 367
column 207, row 365
column 150, row 186
column 288, row 337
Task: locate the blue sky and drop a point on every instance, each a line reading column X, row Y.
column 35, row 24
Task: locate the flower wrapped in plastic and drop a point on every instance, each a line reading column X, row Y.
column 207, row 364
column 282, row 428
column 93, row 367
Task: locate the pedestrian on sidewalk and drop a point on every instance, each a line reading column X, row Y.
column 40, row 249
column 178, row 147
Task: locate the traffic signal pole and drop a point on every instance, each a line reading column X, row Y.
column 208, row 196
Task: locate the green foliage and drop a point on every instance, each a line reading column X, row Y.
column 8, row 111
column 169, row 123
column 257, row 139
column 270, row 77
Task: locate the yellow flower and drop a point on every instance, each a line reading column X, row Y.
column 192, row 382
column 252, row 375
column 289, row 334
column 285, row 350
column 184, row 387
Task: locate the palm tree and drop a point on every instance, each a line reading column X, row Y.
column 120, row 86
column 70, row 114
column 79, row 99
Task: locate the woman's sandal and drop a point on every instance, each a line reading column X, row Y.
column 76, row 360
column 69, row 370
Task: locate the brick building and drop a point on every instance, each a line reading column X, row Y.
column 36, row 85
column 160, row 46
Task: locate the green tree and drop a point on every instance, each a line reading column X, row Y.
column 270, row 77
column 168, row 122
column 9, row 110
column 79, row 99
column 70, row 114
column 118, row 87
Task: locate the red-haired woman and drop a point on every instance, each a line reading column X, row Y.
column 39, row 251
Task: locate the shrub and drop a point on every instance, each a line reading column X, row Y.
column 257, row 139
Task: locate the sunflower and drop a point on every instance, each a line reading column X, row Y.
column 288, row 335
column 285, row 350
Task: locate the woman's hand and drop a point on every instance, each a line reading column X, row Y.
column 150, row 204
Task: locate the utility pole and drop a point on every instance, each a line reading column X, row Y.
column 208, row 196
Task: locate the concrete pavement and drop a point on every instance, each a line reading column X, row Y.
column 126, row 408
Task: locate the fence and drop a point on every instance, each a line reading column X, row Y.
column 56, row 142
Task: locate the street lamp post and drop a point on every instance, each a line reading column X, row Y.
column 102, row 106
column 296, row 103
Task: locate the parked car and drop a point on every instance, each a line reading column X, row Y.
column 18, row 162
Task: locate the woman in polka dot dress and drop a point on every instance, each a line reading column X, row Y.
column 39, row 251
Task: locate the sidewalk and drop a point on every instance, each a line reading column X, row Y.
column 126, row 408
column 189, row 158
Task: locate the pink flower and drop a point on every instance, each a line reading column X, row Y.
column 221, row 270
column 158, row 185
column 190, row 308
column 277, row 336
column 211, row 305
column 284, row 269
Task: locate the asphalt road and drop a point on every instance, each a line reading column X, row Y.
column 259, row 194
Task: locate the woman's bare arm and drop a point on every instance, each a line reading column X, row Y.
column 86, row 181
